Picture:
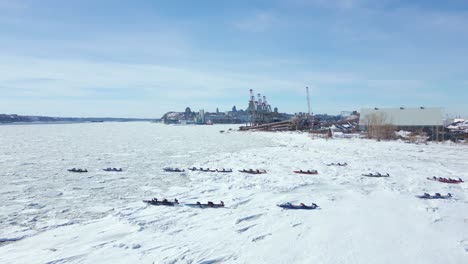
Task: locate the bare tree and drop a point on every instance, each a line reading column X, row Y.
column 379, row 127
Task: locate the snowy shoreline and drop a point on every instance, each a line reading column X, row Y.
column 100, row 217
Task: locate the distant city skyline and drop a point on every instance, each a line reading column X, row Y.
column 144, row 58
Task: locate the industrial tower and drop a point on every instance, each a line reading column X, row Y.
column 259, row 110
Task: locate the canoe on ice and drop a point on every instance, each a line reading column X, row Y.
column 207, row 205
column 306, row 171
column 251, row 171
column 77, row 170
column 173, row 170
column 165, row 202
column 112, row 169
column 445, row 180
column 298, row 207
column 378, row 175
column 435, row 196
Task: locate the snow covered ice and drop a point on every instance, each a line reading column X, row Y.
column 49, row 215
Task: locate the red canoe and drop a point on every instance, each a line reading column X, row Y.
column 445, row 180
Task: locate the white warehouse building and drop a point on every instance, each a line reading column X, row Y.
column 404, row 117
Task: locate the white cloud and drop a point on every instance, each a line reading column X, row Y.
column 167, row 88
column 78, row 87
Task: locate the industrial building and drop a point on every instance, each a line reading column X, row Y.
column 427, row 119
column 260, row 112
column 404, row 117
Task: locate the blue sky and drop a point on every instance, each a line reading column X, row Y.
column 143, row 58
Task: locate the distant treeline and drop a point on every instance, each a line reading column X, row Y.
column 4, row 118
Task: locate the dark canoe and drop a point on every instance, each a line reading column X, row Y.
column 376, row 175
column 160, row 203
column 306, row 172
column 297, row 207
column 204, row 205
column 254, row 171
column 434, row 196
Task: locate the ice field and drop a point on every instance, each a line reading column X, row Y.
column 49, row 215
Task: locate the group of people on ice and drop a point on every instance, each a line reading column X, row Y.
column 376, row 175
column 446, row 180
column 77, row 170
column 173, row 170
column 306, row 172
column 112, row 169
column 208, row 170
column 155, row 201
column 338, row 164
column 166, row 202
column 289, row 205
column 435, row 196
column 210, row 204
column 252, row 171
column 85, row 170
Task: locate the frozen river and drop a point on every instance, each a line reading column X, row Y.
column 49, row 215
column 35, row 159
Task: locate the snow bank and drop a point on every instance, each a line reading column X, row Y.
column 403, row 134
column 459, row 125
